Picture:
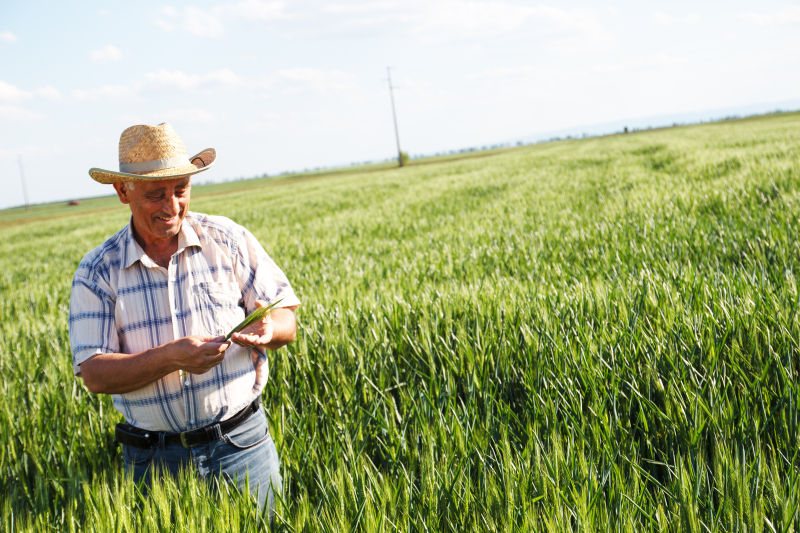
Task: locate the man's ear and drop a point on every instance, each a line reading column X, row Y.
column 122, row 192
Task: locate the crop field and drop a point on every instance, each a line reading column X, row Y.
column 597, row 334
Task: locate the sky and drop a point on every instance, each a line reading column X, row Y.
column 279, row 86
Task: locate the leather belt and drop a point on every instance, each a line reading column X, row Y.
column 142, row 438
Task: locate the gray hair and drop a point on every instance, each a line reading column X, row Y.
column 129, row 185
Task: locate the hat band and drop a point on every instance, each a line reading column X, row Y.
column 156, row 164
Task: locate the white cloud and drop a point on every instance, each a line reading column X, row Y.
column 17, row 113
column 372, row 14
column 254, row 10
column 344, row 17
column 31, row 150
column 170, row 14
column 787, row 15
column 153, row 81
column 7, row 37
column 222, row 77
column 105, row 92
column 265, row 121
column 176, row 78
column 313, row 79
column 48, row 93
column 455, row 20
column 359, row 7
column 165, row 25
column 190, row 115
column 210, row 22
column 526, row 73
column 476, row 18
column 194, row 20
column 439, row 21
column 106, row 54
column 188, row 82
column 504, row 73
column 131, row 118
column 668, row 19
column 202, row 23
column 10, row 93
column 661, row 62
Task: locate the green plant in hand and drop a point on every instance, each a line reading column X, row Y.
column 255, row 316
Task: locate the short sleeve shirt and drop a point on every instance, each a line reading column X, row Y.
column 123, row 302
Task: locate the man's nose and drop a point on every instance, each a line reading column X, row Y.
column 173, row 206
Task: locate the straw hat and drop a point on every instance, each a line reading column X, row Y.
column 153, row 153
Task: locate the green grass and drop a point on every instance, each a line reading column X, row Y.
column 596, row 334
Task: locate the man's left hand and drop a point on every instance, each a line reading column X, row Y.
column 258, row 334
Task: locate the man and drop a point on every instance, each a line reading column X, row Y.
column 149, row 311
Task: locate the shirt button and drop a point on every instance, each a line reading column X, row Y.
column 186, row 383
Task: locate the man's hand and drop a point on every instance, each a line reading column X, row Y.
column 277, row 329
column 258, row 334
column 198, row 355
column 117, row 373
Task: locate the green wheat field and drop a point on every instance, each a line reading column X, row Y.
column 592, row 335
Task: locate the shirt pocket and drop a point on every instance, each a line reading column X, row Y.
column 219, row 305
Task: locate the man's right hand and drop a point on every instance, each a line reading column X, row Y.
column 198, row 355
column 117, row 373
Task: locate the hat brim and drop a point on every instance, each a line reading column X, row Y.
column 206, row 159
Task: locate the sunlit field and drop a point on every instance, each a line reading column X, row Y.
column 597, row 334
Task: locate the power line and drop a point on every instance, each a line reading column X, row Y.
column 22, row 179
column 394, row 117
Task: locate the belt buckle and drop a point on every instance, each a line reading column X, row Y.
column 183, row 440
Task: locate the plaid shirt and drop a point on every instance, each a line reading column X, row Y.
column 123, row 302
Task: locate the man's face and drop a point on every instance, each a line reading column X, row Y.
column 158, row 207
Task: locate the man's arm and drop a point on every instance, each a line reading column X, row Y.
column 117, row 373
column 284, row 328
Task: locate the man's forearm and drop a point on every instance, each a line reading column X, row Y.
column 117, row 373
column 284, row 328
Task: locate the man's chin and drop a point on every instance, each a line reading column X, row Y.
column 165, row 231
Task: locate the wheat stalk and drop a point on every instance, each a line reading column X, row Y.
column 256, row 315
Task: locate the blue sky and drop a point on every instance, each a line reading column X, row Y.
column 277, row 86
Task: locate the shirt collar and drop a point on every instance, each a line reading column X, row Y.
column 132, row 251
column 187, row 236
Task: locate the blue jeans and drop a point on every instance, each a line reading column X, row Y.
column 247, row 452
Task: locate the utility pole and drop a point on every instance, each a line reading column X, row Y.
column 22, row 178
column 394, row 117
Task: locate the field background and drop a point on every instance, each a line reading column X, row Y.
column 591, row 334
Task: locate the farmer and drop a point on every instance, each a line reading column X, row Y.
column 149, row 312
